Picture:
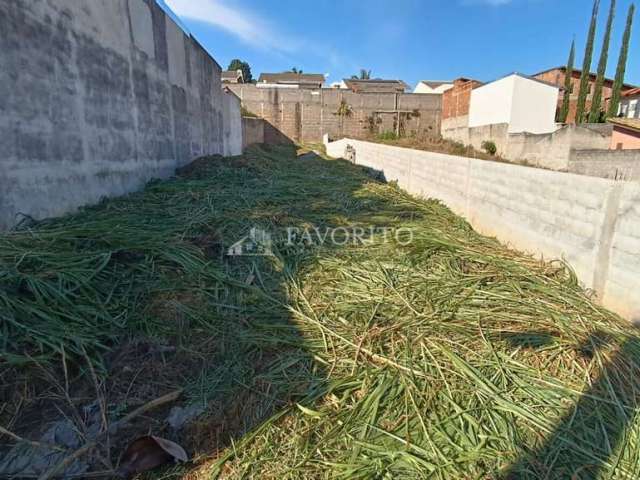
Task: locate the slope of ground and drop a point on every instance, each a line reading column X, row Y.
column 426, row 351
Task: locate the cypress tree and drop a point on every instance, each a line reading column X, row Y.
column 622, row 66
column 568, row 80
column 586, row 64
column 596, row 103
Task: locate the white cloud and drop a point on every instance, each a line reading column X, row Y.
column 245, row 25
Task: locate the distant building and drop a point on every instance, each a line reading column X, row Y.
column 433, row 86
column 291, row 80
column 630, row 104
column 455, row 103
column 375, row 85
column 557, row 77
column 626, row 133
column 232, row 76
column 524, row 103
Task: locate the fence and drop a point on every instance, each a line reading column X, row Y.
column 304, row 115
column 592, row 223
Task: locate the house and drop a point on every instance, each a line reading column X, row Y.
column 455, row 103
column 630, row 104
column 232, row 76
column 339, row 85
column 557, row 76
column 626, row 133
column 523, row 103
column 433, row 86
column 291, row 80
column 375, row 85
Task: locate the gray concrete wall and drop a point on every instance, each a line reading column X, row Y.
column 252, row 131
column 550, row 150
column 590, row 222
column 613, row 164
column 232, row 123
column 305, row 115
column 96, row 98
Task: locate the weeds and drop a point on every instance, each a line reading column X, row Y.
column 449, row 357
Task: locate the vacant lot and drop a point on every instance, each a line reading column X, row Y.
column 436, row 354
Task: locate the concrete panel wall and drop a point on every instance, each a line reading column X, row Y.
column 96, row 98
column 593, row 223
column 252, row 131
column 232, row 123
column 551, row 150
column 305, row 115
column 614, row 164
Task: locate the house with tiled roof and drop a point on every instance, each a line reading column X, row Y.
column 375, row 85
column 557, row 75
column 290, row 80
column 626, row 133
column 630, row 104
column 232, row 76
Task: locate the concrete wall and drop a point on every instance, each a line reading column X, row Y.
column 96, row 98
column 550, row 150
column 232, row 123
column 524, row 104
column 613, row 164
column 252, row 131
column 590, row 222
column 305, row 115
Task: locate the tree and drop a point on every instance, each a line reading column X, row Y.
column 295, row 70
column 237, row 64
column 595, row 116
column 622, row 65
column 568, row 83
column 586, row 64
column 364, row 75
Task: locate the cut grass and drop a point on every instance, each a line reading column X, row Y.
column 449, row 357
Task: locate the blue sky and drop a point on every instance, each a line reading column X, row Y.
column 406, row 39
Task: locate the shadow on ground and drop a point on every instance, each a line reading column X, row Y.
column 124, row 302
column 299, row 357
column 589, row 440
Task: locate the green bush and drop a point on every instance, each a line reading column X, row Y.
column 490, row 147
column 387, row 136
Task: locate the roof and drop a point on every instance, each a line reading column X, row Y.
column 577, row 70
column 630, row 123
column 528, row 77
column 292, row 78
column 631, row 93
column 231, row 75
column 436, row 83
column 375, row 85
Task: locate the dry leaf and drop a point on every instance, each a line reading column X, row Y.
column 149, row 452
column 172, row 448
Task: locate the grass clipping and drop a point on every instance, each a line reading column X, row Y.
column 447, row 357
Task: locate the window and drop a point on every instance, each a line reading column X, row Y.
column 624, row 107
column 633, row 106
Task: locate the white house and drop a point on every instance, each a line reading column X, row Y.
column 433, row 86
column 340, row 85
column 524, row 103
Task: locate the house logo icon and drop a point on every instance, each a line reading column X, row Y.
column 257, row 244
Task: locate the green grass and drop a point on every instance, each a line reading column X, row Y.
column 451, row 357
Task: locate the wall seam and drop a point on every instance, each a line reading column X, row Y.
column 607, row 232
